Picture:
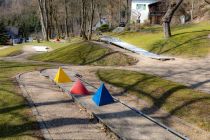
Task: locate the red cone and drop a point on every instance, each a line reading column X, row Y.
column 79, row 89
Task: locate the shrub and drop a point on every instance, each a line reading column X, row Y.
column 104, row 28
column 4, row 38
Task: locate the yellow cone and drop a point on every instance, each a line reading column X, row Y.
column 62, row 77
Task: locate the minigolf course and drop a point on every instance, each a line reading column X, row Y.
column 58, row 115
column 79, row 89
column 61, row 76
column 121, row 119
column 102, row 96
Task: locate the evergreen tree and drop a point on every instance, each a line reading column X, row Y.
column 4, row 37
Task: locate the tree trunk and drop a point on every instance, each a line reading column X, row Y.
column 44, row 30
column 128, row 11
column 50, row 18
column 173, row 6
column 91, row 20
column 111, row 13
column 167, row 29
column 192, row 10
column 83, row 24
column 66, row 20
column 120, row 7
column 57, row 26
column 45, row 9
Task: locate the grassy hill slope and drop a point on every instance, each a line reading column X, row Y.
column 189, row 40
column 16, row 119
column 84, row 53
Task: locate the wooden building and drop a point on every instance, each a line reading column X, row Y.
column 156, row 12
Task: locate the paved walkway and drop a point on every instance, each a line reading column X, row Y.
column 60, row 117
column 125, row 122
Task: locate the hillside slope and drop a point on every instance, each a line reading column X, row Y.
column 86, row 53
column 190, row 40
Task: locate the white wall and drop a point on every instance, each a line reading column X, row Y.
column 144, row 13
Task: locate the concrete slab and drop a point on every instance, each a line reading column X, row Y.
column 123, row 121
column 133, row 48
column 41, row 48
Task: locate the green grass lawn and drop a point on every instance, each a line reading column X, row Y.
column 84, row 53
column 11, row 51
column 17, row 49
column 16, row 120
column 179, row 100
column 53, row 45
column 189, row 40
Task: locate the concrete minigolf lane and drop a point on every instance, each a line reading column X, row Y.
column 62, row 118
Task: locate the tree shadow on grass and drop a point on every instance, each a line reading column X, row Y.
column 187, row 103
column 17, row 65
column 157, row 102
column 183, row 33
column 86, row 58
column 9, row 130
column 161, row 100
column 162, row 45
column 21, row 106
column 101, row 57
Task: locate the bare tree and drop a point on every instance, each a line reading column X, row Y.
column 91, row 20
column 128, row 3
column 172, row 7
column 42, row 16
column 83, row 19
column 192, row 9
column 66, row 19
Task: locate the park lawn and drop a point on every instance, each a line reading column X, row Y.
column 11, row 51
column 190, row 40
column 16, row 120
column 53, row 45
column 84, row 53
column 172, row 97
column 17, row 49
column 56, row 45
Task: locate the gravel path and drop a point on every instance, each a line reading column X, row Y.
column 62, row 118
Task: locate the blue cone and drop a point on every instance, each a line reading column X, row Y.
column 102, row 96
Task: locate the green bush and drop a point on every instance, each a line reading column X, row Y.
column 4, row 38
column 104, row 28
